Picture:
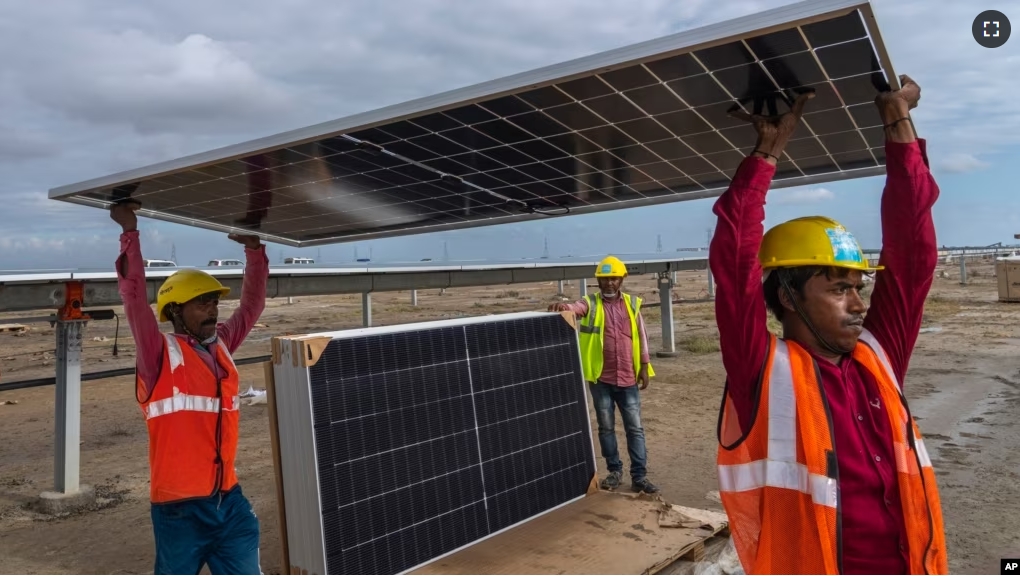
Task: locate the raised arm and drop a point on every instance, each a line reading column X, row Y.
column 131, row 285
column 733, row 257
column 253, row 294
column 909, row 249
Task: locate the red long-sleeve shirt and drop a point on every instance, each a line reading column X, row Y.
column 148, row 338
column 874, row 534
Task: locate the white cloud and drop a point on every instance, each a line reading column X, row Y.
column 800, row 195
column 192, row 85
column 93, row 88
column 961, row 162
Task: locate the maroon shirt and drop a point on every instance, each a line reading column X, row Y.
column 874, row 534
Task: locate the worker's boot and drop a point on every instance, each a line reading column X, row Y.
column 644, row 485
column 612, row 481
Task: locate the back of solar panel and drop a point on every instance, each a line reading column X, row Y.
column 402, row 444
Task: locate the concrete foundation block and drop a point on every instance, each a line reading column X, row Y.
column 56, row 503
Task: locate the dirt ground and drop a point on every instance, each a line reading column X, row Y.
column 963, row 384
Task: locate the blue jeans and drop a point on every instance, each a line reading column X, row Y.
column 224, row 535
column 606, row 397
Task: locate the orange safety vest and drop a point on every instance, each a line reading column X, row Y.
column 779, row 481
column 193, row 421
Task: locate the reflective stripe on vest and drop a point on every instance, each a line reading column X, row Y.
column 187, row 402
column 780, row 469
column 904, row 462
column 592, row 329
column 779, row 479
column 778, row 474
column 192, row 416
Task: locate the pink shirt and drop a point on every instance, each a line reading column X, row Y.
column 145, row 329
column 617, row 344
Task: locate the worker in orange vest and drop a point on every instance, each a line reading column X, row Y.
column 822, row 469
column 187, row 388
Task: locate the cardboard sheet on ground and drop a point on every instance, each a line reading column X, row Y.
column 603, row 533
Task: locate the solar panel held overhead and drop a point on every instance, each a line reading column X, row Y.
column 639, row 125
column 399, row 445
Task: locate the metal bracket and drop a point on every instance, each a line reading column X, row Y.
column 665, row 278
column 74, row 299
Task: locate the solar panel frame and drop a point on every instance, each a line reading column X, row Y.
column 308, row 418
column 604, row 81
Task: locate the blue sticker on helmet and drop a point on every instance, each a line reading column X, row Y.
column 606, row 268
column 844, row 246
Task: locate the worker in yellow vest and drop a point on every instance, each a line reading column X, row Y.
column 615, row 359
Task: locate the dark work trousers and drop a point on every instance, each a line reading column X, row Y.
column 607, row 397
column 223, row 534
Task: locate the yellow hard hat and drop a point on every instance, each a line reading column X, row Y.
column 611, row 266
column 185, row 285
column 812, row 241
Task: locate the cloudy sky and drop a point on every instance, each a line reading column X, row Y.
column 92, row 88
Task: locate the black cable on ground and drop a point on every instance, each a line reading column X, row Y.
column 102, row 375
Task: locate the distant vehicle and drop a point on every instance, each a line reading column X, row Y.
column 225, row 263
column 364, row 259
column 298, row 261
column 159, row 264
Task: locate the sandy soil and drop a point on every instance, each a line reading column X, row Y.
column 964, row 386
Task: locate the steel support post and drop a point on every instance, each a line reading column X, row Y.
column 366, row 309
column 67, row 445
column 963, row 270
column 711, row 283
column 69, row 326
column 583, row 283
column 414, row 297
column 559, row 287
column 666, row 306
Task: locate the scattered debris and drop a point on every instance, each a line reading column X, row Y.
column 260, row 325
column 13, row 328
column 714, row 496
column 670, row 517
column 8, row 402
column 931, row 329
column 100, row 339
column 676, row 516
column 253, row 396
column 726, row 562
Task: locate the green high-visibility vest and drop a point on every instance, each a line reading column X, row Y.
column 592, row 331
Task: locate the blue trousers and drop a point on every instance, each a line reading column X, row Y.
column 606, row 397
column 223, row 534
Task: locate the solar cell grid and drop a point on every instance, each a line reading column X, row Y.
column 651, row 112
column 428, row 439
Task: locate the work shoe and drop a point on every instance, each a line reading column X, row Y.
column 612, row 481
column 644, row 485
